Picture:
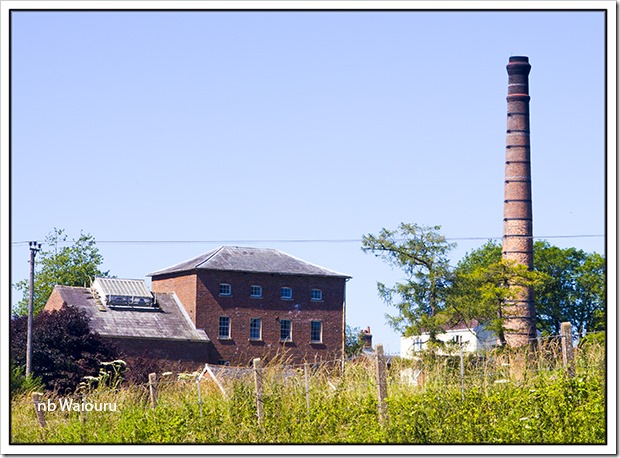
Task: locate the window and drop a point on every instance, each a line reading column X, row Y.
column 417, row 344
column 316, row 295
column 458, row 339
column 225, row 289
column 286, row 293
column 256, row 291
column 255, row 329
column 224, row 331
column 316, row 331
column 286, row 331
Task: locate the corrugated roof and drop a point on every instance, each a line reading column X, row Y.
column 243, row 259
column 123, row 287
column 169, row 321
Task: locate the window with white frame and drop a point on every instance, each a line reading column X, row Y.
column 316, row 331
column 417, row 344
column 316, row 295
column 286, row 292
column 255, row 329
column 225, row 289
column 256, row 291
column 457, row 339
column 286, row 331
column 224, row 329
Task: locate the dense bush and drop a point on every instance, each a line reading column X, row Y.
column 64, row 350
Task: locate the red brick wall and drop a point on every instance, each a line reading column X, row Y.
column 177, row 354
column 55, row 301
column 183, row 285
column 240, row 307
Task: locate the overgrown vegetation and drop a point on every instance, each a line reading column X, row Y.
column 503, row 399
column 64, row 350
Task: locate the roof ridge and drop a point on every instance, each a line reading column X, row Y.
column 215, row 252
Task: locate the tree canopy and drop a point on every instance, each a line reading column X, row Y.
column 60, row 262
column 422, row 253
column 569, row 284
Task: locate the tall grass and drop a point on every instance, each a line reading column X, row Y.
column 507, row 399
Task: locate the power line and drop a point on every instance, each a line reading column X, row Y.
column 358, row 240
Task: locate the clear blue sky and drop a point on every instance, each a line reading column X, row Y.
column 236, row 127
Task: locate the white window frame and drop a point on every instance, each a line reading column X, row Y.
column 320, row 340
column 290, row 331
column 260, row 329
column 256, row 288
column 224, row 286
column 319, row 295
column 219, row 329
column 286, row 298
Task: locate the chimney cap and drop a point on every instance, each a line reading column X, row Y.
column 519, row 59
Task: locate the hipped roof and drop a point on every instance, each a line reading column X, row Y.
column 255, row 260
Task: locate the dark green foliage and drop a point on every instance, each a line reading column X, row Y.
column 19, row 383
column 63, row 348
column 479, row 292
column 60, row 262
column 575, row 292
column 571, row 286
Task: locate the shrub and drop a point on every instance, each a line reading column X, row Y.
column 19, row 383
column 64, row 349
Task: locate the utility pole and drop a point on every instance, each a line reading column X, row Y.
column 34, row 248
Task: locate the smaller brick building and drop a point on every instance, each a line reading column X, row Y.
column 138, row 323
column 264, row 303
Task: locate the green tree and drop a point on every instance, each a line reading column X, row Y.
column 575, row 291
column 60, row 262
column 480, row 291
column 572, row 288
column 422, row 253
column 353, row 344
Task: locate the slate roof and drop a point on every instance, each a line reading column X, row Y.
column 170, row 321
column 256, row 260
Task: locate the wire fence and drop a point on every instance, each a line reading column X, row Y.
column 374, row 371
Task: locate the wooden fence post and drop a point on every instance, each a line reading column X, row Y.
column 462, row 372
column 307, row 388
column 567, row 348
column 258, row 385
column 37, row 410
column 381, row 382
column 153, row 389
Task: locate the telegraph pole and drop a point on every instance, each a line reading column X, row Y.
column 34, row 248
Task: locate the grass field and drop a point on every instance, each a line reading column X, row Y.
column 502, row 399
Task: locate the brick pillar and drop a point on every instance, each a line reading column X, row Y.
column 519, row 314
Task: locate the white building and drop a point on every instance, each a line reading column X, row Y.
column 472, row 337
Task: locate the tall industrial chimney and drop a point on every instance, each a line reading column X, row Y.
column 519, row 313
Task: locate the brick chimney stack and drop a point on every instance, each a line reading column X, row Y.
column 366, row 338
column 519, row 314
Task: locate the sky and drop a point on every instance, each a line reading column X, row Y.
column 165, row 134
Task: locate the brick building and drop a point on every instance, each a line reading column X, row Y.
column 138, row 323
column 260, row 303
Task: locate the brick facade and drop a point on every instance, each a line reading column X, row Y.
column 199, row 291
column 168, row 353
